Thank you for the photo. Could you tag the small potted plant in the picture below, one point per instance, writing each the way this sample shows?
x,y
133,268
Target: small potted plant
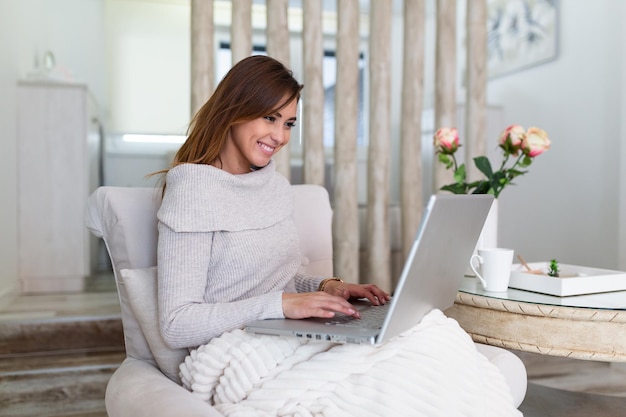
x,y
553,268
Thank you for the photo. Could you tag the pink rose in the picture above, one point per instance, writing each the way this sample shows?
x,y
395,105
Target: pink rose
x,y
447,140
511,138
535,142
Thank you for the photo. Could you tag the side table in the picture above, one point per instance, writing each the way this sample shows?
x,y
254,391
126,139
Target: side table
x,y
583,327
590,327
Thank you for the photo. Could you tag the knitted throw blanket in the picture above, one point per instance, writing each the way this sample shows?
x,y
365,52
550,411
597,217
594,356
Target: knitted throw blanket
x,y
431,370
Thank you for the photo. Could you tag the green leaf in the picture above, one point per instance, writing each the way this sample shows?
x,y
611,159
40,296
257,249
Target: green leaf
x,y
484,166
460,174
481,187
445,159
455,188
515,173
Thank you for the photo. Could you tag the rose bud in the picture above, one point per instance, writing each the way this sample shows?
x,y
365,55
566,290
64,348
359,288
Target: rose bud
x,y
535,142
446,140
511,139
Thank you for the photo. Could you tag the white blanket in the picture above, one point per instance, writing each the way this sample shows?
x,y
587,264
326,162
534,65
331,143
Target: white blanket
x,y
431,370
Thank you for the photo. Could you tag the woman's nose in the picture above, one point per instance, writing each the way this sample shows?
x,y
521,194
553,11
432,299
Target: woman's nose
x,y
279,135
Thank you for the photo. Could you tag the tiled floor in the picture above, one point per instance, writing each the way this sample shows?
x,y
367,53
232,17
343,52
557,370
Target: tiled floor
x,y
545,373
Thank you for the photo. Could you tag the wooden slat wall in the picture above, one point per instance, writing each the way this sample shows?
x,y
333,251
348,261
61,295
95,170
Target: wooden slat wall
x,y
313,99
411,188
378,233
476,93
445,79
202,53
346,210
278,48
346,215
241,30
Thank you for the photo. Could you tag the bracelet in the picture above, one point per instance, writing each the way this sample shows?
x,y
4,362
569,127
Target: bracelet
x,y
324,282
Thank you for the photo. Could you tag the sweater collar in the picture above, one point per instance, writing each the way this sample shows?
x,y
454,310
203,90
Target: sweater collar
x,y
203,198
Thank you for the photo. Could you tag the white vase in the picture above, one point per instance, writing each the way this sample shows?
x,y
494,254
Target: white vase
x,y
489,235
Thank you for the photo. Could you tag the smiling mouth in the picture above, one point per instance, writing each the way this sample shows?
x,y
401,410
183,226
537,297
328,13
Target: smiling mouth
x,y
266,148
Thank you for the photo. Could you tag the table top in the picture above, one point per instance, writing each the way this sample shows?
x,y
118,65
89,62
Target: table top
x,y
615,300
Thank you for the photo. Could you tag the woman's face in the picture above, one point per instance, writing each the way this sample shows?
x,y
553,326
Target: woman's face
x,y
253,143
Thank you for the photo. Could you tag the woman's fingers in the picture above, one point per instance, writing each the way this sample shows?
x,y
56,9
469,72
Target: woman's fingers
x,y
369,291
381,295
315,304
375,295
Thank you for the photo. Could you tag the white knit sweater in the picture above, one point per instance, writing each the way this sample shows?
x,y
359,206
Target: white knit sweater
x,y
227,250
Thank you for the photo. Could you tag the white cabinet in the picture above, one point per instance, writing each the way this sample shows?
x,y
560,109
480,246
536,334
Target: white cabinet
x,y
58,149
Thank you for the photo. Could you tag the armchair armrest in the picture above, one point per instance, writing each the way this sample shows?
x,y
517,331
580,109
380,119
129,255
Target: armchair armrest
x,y
139,389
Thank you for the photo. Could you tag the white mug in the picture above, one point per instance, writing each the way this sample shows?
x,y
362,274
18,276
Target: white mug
x,y
495,267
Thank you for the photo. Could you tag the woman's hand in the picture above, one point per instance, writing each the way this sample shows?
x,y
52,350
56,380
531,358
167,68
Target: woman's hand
x,y
346,291
316,304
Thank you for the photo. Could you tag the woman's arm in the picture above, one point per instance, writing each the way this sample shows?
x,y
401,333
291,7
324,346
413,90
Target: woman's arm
x,y
197,287
186,319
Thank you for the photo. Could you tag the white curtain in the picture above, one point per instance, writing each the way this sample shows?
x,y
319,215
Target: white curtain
x,y
376,243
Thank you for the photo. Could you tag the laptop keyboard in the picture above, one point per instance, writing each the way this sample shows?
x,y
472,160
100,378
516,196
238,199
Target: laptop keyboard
x,y
371,318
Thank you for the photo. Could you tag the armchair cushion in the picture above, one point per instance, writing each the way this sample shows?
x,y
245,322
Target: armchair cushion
x,y
125,218
141,288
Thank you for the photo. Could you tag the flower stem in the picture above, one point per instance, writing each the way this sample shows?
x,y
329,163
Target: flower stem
x,y
455,165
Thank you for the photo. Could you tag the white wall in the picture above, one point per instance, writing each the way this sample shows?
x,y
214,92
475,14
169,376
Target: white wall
x,y
8,167
621,247
148,53
567,206
72,30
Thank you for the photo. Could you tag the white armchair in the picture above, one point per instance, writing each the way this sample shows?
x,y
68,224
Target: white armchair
x,y
146,383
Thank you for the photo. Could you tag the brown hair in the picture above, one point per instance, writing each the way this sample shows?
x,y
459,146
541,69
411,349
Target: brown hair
x,y
256,86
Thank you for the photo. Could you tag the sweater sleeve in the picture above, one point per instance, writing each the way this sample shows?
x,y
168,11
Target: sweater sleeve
x,y
307,283
185,318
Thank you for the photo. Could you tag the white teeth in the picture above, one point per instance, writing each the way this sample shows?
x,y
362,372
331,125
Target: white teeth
x,y
267,148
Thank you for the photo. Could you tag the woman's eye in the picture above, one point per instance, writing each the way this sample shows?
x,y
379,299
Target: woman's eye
x,y
290,124
270,118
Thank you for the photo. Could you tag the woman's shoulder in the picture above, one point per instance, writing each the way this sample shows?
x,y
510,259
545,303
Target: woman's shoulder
x,y
204,198
189,172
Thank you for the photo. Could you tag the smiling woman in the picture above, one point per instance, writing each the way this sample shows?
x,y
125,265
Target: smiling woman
x,y
252,110
227,252
254,142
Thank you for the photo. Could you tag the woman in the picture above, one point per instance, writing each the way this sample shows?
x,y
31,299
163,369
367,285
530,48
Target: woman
x,y
228,249
228,254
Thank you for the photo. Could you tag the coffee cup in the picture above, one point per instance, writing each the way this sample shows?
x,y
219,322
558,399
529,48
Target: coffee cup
x,y
495,268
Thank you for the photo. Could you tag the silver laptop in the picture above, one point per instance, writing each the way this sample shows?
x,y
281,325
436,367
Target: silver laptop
x,y
430,278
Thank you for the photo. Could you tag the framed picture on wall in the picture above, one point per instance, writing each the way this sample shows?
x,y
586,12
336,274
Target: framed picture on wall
x,y
520,34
